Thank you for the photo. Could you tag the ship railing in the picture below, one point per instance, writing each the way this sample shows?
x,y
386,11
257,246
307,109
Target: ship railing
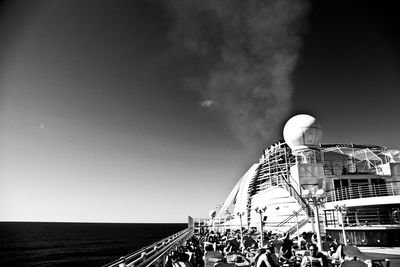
x,y
294,227
290,223
366,216
154,254
363,191
290,219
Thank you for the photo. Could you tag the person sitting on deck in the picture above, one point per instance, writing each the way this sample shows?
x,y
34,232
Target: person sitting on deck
x,y
251,253
286,249
231,245
274,255
315,259
175,260
264,259
302,242
210,243
194,252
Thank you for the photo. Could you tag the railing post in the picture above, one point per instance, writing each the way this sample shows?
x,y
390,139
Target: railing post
x,y
374,187
359,191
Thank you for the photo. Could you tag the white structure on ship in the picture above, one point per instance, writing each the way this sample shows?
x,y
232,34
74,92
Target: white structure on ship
x,y
358,185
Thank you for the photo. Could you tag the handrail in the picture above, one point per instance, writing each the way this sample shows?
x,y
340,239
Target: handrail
x,y
363,191
293,229
153,258
156,250
293,192
291,216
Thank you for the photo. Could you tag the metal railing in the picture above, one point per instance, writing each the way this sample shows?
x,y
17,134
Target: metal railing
x,y
293,229
154,254
363,216
363,191
289,218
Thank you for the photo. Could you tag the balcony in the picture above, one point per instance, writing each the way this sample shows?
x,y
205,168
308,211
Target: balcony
x,y
363,191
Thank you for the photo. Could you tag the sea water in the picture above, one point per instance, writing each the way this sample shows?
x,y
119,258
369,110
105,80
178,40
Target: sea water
x,y
75,244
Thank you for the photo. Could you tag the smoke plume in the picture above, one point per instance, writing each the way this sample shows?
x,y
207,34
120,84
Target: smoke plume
x,y
244,54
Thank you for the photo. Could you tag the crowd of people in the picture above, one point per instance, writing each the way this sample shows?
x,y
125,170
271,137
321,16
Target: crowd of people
x,y
211,248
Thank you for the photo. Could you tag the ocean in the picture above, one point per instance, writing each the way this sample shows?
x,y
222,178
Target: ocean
x,y
75,244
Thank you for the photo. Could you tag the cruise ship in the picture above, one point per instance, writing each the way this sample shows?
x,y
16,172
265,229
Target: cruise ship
x,y
300,184
350,192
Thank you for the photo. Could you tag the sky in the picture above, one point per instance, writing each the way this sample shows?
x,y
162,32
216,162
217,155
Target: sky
x,y
150,111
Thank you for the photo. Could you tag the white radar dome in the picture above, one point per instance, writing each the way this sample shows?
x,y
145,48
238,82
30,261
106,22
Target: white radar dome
x,y
302,132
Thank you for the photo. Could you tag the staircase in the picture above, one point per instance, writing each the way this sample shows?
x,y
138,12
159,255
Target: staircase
x,y
289,224
274,170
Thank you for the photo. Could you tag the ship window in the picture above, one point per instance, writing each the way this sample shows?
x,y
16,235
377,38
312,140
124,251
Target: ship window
x,y
340,183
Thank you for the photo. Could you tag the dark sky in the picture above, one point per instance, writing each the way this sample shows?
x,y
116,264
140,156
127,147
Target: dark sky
x,y
348,74
109,106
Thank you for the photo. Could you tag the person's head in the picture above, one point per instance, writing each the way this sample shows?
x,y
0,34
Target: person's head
x,y
313,249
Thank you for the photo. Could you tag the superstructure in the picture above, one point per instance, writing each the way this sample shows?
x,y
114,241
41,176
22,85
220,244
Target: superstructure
x,y
302,184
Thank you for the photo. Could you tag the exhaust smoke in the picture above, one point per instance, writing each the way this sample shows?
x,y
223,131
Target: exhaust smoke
x,y
245,52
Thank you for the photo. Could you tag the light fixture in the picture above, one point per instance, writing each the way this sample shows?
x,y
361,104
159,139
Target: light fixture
x,y
240,214
260,211
316,197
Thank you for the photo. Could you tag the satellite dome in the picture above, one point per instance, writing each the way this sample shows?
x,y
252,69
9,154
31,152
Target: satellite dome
x,y
302,132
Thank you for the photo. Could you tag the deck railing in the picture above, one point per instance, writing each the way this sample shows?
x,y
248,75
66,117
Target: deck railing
x,y
364,191
155,254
